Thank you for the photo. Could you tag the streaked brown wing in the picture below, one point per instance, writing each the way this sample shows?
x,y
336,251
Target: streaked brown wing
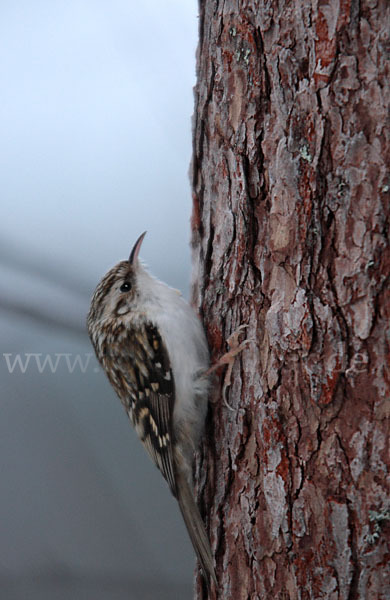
x,y
149,396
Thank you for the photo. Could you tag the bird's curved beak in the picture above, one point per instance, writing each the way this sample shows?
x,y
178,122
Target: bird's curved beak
x,y
136,248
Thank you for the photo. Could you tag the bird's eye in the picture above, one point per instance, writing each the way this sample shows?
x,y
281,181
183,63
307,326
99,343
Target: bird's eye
x,y
125,287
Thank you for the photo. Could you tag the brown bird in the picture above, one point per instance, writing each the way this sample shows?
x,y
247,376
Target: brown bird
x,y
154,351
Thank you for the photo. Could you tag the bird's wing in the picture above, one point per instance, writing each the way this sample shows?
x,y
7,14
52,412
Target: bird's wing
x,y
152,396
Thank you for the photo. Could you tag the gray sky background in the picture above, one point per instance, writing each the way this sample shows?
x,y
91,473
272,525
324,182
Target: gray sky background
x,y
95,145
95,130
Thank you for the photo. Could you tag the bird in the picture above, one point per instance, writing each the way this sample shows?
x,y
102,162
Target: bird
x,y
153,349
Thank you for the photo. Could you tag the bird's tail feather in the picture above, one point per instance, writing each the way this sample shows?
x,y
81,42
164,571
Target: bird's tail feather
x,y
196,528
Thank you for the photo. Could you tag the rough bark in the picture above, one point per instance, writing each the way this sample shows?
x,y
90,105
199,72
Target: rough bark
x,y
290,236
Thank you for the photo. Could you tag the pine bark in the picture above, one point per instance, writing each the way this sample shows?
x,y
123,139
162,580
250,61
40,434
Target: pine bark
x,y
291,237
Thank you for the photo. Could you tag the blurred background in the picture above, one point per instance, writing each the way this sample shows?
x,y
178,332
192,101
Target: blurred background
x,y
95,145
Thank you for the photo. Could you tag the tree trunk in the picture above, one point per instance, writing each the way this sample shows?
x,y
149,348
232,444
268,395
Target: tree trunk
x,y
290,237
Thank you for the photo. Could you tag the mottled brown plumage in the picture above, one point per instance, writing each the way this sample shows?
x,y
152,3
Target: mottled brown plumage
x,y
153,350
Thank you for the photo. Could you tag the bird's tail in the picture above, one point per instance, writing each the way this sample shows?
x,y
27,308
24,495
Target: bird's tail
x,y
195,527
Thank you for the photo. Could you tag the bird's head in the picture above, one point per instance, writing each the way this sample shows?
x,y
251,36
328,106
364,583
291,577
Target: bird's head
x,y
117,293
